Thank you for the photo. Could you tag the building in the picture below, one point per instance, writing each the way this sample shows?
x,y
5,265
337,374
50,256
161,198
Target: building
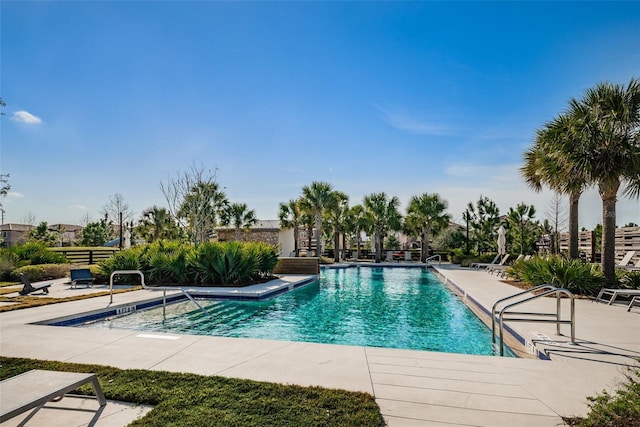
x,y
14,234
267,231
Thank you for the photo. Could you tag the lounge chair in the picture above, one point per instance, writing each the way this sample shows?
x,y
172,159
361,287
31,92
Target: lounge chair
x,y
29,288
635,267
485,264
503,262
500,270
634,300
615,293
34,388
626,259
81,276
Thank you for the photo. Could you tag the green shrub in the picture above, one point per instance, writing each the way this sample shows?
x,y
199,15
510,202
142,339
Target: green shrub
x,y
35,253
169,262
8,263
36,273
573,275
629,279
621,409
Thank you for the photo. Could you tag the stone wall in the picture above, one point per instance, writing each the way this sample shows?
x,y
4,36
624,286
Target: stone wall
x,y
270,237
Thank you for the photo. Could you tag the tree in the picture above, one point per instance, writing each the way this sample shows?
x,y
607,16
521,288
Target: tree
x,y
605,148
356,222
195,200
290,216
555,214
382,216
316,198
239,216
336,217
546,164
157,224
95,234
484,219
520,225
42,234
426,215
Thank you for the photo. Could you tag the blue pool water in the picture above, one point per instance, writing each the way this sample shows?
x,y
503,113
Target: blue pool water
x,y
406,308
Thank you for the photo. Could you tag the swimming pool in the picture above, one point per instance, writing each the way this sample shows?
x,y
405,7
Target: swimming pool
x,y
405,308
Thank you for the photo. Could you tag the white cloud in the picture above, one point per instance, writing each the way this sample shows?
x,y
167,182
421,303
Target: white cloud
x,y
26,117
79,207
411,124
14,195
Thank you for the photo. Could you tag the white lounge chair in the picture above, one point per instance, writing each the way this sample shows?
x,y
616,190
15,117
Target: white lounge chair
x,y
503,263
626,259
615,293
635,267
485,264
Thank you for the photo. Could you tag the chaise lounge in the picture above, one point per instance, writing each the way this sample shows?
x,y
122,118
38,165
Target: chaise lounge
x,y
615,293
29,288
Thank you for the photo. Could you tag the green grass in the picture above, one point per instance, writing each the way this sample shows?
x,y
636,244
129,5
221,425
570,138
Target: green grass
x,y
196,400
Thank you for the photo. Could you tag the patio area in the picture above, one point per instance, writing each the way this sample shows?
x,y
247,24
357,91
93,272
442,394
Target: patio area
x,y
411,387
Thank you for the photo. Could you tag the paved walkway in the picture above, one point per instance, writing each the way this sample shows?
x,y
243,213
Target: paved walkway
x,y
412,388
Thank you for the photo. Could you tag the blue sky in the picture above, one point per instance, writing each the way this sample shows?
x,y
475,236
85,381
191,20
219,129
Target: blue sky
x,y
402,97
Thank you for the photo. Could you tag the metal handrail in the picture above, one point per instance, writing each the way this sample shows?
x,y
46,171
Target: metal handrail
x,y
119,272
558,320
433,257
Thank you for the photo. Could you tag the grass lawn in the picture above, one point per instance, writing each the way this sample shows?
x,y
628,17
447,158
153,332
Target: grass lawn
x,y
196,400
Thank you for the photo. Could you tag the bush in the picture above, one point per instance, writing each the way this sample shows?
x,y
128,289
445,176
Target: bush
x,y
621,409
629,279
211,263
573,275
457,256
37,253
36,273
8,263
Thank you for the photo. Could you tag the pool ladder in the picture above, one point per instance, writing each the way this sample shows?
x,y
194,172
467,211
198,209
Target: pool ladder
x,y
503,315
436,256
164,289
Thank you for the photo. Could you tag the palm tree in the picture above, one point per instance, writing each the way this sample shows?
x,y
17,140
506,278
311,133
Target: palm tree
x,y
316,198
201,208
336,216
382,216
290,216
238,215
158,224
606,149
356,222
426,214
546,164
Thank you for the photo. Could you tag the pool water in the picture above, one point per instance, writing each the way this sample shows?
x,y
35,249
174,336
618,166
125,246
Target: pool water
x,y
404,308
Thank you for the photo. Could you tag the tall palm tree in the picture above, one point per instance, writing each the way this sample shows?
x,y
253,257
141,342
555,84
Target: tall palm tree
x,y
157,224
383,215
546,164
290,216
356,223
336,216
316,198
426,215
606,150
240,216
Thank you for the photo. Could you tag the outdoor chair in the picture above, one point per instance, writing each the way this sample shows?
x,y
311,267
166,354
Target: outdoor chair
x,y
626,259
29,288
485,264
615,293
81,276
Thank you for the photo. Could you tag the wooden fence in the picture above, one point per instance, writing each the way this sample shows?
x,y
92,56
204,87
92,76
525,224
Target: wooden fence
x,y
627,239
85,255
301,265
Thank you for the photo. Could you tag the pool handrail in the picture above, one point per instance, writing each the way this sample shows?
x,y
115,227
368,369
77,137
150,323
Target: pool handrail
x,y
434,257
122,272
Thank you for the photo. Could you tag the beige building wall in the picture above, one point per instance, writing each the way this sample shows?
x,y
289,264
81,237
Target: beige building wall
x,y
285,238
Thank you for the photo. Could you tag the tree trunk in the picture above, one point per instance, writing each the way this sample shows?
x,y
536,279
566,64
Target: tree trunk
x,y
336,246
378,246
574,198
608,194
296,235
358,243
318,236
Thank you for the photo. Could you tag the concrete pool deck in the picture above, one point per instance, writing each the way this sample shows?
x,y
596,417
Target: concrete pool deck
x,y
412,388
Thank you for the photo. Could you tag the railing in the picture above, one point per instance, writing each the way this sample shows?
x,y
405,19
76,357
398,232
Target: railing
x,y
164,289
504,315
434,257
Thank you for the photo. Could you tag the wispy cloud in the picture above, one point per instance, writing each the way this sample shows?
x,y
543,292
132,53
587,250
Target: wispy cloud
x,y
413,124
501,172
79,207
26,117
14,195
